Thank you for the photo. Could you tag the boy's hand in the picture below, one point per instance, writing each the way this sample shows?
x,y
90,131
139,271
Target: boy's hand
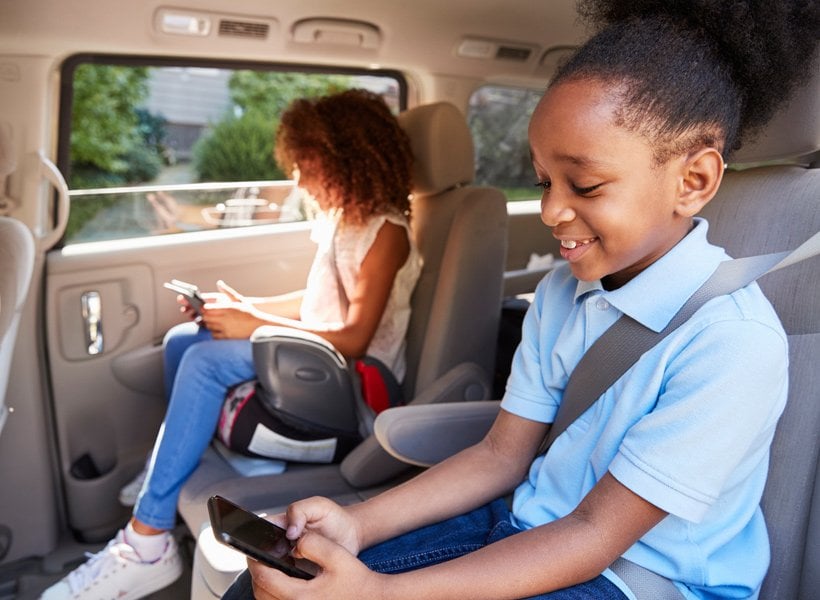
x,y
342,575
323,516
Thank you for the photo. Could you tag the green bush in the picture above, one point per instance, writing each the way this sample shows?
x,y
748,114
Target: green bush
x,y
112,141
140,164
152,129
143,164
85,176
238,149
270,92
241,148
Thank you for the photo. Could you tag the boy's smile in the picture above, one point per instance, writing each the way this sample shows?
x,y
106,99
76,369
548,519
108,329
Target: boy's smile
x,y
613,209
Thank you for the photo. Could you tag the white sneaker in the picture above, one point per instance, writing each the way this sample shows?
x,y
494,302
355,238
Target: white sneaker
x,y
117,573
130,493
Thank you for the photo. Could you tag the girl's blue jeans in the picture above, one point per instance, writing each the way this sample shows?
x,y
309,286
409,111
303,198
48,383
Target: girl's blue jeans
x,y
447,540
198,372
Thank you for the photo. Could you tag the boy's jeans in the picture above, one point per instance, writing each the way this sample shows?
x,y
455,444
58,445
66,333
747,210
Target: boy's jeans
x,y
447,540
200,371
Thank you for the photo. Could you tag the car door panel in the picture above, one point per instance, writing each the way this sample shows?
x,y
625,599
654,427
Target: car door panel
x,y
108,398
124,315
140,370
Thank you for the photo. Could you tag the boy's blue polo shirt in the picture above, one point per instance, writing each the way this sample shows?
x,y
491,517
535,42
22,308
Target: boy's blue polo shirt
x,y
687,428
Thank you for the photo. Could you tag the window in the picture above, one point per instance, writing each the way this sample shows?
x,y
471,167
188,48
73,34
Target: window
x,y
498,118
155,147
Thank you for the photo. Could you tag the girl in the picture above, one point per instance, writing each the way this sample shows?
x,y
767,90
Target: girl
x,y
667,469
348,153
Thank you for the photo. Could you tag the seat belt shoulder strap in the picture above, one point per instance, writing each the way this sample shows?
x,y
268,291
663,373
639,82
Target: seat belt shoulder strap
x,y
620,346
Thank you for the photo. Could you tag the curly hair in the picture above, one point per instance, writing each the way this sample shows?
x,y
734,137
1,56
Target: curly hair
x,y
363,155
695,73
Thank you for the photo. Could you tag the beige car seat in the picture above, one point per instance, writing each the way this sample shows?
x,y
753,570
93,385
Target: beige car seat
x,y
16,266
461,232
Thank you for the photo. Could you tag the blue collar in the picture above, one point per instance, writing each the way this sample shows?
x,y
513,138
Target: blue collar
x,y
656,294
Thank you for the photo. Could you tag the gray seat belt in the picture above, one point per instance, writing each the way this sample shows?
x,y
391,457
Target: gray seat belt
x,y
620,347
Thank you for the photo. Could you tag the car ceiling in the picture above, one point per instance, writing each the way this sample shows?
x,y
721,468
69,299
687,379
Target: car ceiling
x,y
414,35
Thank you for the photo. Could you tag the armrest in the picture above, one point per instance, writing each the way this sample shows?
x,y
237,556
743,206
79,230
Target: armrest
x,y
423,435
465,381
369,464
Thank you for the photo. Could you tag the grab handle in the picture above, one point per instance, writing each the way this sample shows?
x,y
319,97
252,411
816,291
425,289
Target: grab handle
x,y
49,171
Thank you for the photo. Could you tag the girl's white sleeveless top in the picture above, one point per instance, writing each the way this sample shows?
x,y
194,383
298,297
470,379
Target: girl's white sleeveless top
x,y
322,304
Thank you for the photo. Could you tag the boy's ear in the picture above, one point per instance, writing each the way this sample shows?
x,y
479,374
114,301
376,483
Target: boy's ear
x,y
701,175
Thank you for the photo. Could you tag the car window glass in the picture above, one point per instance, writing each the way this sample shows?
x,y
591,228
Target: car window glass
x,y
157,149
498,118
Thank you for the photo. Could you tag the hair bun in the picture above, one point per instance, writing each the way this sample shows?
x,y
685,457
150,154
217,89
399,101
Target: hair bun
x,y
766,45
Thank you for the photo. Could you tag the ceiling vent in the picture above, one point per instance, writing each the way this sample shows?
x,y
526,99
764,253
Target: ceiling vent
x,y
244,29
494,50
198,23
519,53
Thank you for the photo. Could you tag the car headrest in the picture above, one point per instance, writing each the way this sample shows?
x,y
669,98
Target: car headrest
x,y
442,147
794,131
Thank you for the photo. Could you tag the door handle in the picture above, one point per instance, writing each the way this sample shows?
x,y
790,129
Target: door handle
x,y
92,321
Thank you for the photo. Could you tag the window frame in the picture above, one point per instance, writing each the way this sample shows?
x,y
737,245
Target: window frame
x,y
71,63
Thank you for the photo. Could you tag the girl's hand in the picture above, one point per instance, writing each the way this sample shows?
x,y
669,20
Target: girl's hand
x,y
216,297
229,292
186,308
341,577
225,295
233,320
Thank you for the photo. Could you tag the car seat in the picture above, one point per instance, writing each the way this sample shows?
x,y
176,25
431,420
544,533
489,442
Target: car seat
x,y
461,233
769,201
16,266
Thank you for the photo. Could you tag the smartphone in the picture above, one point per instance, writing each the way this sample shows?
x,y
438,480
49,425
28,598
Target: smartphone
x,y
258,538
190,291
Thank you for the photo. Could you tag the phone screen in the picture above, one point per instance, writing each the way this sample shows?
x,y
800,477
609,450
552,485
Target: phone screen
x,y
255,536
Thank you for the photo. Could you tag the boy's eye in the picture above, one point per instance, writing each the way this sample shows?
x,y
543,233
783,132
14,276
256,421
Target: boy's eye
x,y
583,191
544,185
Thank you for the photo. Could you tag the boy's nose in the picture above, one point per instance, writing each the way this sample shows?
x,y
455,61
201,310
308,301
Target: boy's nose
x,y
554,210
